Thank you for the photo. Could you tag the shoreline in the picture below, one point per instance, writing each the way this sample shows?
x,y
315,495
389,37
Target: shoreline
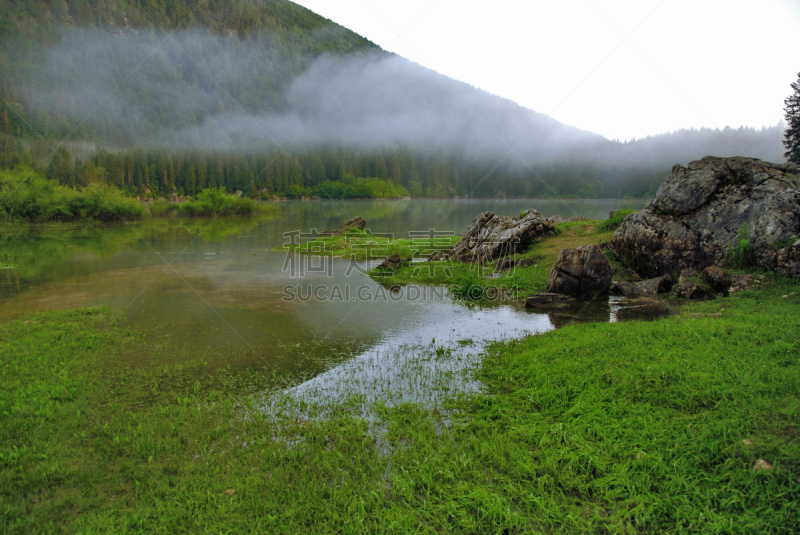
x,y
613,417
650,425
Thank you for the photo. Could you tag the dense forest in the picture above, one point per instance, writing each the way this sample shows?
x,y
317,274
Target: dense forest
x,y
265,97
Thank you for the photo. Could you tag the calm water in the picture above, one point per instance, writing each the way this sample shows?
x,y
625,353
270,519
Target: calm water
x,y
216,288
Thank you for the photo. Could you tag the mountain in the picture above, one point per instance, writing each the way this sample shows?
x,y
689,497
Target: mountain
x,y
116,71
185,82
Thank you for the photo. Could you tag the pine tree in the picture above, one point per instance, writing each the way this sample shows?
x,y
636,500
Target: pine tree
x,y
792,136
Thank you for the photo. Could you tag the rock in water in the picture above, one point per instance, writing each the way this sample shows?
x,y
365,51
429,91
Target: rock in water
x,y
357,223
658,285
583,272
549,301
698,211
491,236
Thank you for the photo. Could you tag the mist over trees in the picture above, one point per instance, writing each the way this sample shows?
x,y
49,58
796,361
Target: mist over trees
x,y
792,137
269,98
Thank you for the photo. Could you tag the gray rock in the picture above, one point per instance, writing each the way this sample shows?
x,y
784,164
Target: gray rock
x,y
578,218
687,275
556,219
491,236
622,288
549,300
654,286
658,285
583,272
717,278
688,290
698,211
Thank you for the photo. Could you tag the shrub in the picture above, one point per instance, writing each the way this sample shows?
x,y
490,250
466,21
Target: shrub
x,y
26,195
741,254
350,188
214,201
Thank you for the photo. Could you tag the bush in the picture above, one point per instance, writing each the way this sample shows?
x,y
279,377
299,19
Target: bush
x,y
350,188
742,254
25,195
216,202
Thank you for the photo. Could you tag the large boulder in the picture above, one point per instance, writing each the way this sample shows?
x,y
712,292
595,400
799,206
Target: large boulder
x,y
583,272
699,210
491,236
717,278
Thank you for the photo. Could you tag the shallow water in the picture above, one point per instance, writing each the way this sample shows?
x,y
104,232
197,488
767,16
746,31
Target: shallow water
x,y
216,289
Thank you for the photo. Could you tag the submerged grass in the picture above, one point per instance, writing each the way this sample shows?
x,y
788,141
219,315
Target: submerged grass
x,y
638,427
362,245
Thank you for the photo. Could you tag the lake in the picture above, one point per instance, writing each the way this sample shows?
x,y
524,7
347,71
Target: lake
x,y
216,289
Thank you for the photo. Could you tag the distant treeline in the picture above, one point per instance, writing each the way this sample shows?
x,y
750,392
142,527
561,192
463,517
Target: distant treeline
x,y
329,173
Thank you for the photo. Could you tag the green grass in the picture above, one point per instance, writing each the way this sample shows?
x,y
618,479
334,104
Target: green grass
x,y
632,427
642,425
613,223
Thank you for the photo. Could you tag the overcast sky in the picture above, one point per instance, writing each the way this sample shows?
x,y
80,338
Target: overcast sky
x,y
622,69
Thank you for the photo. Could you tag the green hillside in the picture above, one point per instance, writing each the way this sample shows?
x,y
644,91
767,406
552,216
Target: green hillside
x,y
59,59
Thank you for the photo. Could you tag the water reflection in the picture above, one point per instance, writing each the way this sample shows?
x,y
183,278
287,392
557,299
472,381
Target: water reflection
x,y
215,289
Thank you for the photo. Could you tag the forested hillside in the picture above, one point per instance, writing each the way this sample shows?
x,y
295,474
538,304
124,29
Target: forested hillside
x,y
268,98
117,71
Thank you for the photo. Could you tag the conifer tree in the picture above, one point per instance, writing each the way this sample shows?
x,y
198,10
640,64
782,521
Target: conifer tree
x,y
791,139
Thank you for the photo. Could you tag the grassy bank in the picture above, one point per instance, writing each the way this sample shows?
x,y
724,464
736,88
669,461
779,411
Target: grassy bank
x,y
624,428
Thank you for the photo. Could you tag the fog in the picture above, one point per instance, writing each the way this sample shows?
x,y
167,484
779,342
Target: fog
x,y
198,90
